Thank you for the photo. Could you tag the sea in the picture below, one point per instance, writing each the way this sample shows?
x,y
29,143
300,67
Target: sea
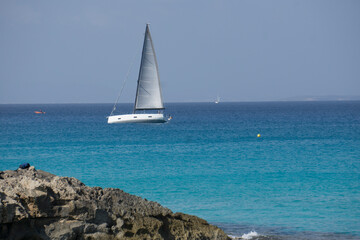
x,y
300,179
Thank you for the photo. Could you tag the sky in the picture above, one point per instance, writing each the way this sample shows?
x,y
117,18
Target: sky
x,y
242,50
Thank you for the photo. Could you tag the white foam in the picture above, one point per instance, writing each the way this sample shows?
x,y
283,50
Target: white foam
x,y
249,235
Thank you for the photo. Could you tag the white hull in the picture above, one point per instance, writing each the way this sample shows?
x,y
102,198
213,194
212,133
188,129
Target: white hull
x,y
137,118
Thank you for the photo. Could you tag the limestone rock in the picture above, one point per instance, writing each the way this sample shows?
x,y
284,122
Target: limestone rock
x,y
38,205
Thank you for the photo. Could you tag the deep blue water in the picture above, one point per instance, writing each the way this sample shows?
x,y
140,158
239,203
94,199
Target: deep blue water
x,y
300,179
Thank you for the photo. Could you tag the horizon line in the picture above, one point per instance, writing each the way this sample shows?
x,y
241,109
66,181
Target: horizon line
x,y
250,101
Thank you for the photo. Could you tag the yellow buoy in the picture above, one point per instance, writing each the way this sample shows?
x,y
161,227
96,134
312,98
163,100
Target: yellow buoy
x,y
258,135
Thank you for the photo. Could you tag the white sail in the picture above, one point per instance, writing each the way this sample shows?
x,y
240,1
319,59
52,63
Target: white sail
x,y
148,93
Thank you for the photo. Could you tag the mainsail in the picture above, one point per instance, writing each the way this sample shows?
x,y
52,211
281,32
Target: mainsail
x,y
148,93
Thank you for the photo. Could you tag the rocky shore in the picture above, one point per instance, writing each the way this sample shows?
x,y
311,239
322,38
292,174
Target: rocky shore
x,y
39,205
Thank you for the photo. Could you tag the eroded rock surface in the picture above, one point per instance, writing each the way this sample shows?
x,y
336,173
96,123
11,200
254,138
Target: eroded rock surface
x,y
38,205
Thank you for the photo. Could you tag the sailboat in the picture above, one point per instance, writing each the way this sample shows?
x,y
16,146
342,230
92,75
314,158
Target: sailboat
x,y
217,99
148,93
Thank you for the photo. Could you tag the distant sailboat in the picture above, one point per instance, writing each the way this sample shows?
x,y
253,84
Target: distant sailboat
x,y
148,93
217,100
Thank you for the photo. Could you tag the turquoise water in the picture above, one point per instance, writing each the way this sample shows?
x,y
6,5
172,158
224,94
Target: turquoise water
x,y
302,176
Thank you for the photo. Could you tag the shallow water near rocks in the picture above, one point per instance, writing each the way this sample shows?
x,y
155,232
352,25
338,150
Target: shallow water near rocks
x,y
300,179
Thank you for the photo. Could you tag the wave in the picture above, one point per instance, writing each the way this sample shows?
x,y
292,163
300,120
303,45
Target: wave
x,y
246,232
250,235
246,236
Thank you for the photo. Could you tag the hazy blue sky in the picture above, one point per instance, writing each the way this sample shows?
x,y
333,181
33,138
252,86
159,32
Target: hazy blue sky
x,y
243,50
